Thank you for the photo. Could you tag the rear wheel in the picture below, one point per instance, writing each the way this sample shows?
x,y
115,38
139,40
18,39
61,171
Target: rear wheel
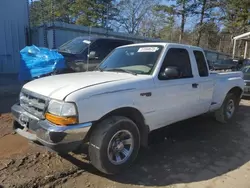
x,y
228,108
114,144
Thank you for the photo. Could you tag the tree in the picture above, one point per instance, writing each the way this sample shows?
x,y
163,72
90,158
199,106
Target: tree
x,y
205,9
132,13
210,38
156,20
63,11
236,15
182,9
202,14
94,12
47,10
83,12
39,12
225,41
166,20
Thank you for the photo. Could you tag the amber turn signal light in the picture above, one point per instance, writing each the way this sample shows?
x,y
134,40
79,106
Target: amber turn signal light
x,y
61,121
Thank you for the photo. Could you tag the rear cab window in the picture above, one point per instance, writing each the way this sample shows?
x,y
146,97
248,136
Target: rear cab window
x,y
201,63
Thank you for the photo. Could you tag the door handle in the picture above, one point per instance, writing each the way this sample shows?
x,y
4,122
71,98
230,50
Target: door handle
x,y
195,85
148,94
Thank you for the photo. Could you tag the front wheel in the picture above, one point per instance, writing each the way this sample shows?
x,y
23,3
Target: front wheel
x,y
114,144
228,108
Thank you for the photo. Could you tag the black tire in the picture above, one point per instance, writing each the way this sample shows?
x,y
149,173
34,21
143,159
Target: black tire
x,y
101,137
221,114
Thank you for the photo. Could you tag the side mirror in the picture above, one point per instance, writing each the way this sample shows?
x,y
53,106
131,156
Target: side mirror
x,y
92,55
171,73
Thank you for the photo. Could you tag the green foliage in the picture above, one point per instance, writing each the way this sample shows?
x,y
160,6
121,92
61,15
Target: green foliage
x,y
237,15
83,12
94,12
216,20
181,9
43,10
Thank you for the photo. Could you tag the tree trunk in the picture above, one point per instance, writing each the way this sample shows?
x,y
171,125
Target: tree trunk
x,y
183,18
201,22
182,28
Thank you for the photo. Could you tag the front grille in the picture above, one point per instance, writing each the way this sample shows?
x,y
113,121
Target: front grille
x,y
247,90
33,103
247,83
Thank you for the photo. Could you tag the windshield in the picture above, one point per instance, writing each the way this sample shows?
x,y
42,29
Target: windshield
x,y
75,46
136,59
246,70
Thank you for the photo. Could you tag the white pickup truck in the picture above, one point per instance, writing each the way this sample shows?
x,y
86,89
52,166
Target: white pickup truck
x,y
136,89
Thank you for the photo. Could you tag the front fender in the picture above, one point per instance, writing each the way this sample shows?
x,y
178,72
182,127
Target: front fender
x,y
94,108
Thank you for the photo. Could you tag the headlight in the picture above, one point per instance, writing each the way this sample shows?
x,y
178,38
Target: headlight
x,y
61,113
61,108
21,97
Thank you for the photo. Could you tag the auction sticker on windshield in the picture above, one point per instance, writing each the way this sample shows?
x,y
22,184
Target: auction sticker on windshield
x,y
148,49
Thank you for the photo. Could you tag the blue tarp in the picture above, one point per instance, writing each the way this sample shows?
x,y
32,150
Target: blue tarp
x,y
37,62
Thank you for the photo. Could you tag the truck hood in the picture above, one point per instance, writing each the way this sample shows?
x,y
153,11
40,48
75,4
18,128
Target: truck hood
x,y
59,86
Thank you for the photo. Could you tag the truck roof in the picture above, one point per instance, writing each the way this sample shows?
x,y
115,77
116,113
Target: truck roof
x,y
100,37
162,44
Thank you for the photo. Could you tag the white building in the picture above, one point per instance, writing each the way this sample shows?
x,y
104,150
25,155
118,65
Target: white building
x,y
245,38
13,25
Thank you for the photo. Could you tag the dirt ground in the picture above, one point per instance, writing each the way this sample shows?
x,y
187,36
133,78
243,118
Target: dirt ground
x,y
195,153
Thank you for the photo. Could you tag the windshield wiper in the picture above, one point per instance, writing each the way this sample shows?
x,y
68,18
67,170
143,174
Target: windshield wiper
x,y
99,69
121,70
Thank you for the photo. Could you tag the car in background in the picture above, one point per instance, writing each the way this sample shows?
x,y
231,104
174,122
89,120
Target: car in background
x,y
85,53
210,65
225,64
246,62
243,62
246,77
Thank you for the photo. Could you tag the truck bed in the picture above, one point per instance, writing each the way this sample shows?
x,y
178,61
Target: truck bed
x,y
232,74
223,82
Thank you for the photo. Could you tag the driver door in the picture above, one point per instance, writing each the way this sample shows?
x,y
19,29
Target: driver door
x,y
176,99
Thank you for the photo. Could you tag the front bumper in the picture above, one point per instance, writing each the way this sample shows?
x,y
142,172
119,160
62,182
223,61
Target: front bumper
x,y
246,92
57,138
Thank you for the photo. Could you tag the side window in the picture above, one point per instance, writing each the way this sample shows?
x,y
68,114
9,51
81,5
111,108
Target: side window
x,y
201,63
102,48
179,58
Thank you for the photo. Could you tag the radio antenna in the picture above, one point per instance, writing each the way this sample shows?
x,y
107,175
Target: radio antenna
x,y
88,49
